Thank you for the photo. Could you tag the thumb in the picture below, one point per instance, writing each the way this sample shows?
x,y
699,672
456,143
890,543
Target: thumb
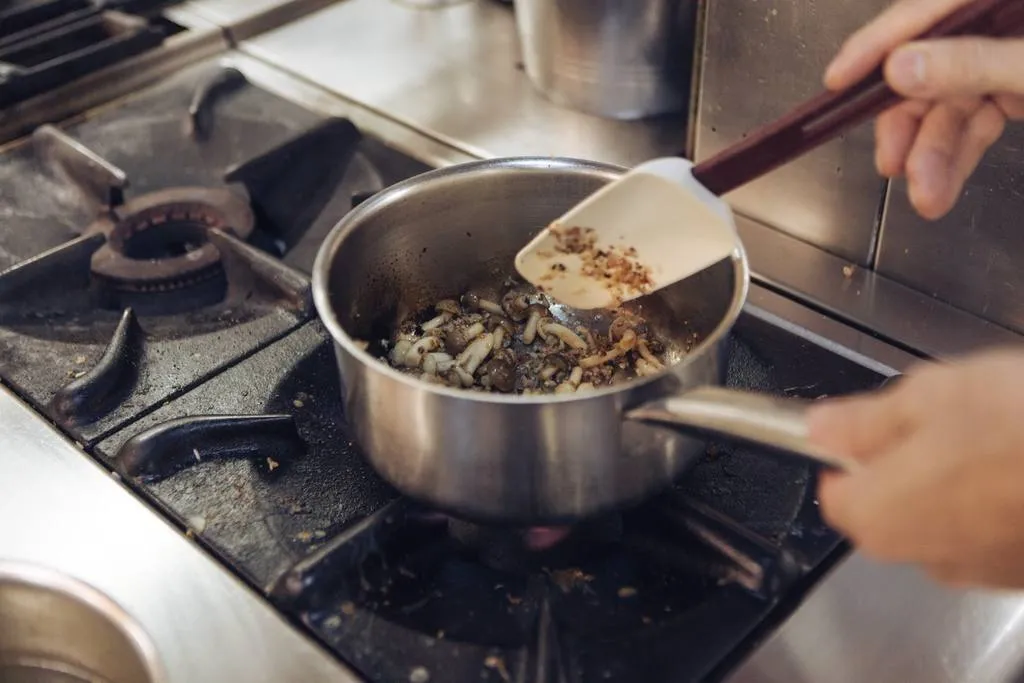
x,y
957,67
861,426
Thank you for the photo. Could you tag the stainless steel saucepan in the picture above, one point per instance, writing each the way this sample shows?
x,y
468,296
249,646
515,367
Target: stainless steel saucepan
x,y
525,459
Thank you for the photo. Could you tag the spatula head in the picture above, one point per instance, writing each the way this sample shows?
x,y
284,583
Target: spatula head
x,y
647,230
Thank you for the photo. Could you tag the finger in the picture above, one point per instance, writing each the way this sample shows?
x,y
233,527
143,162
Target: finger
x,y
859,426
932,160
895,131
1012,106
956,67
978,573
889,509
983,128
866,48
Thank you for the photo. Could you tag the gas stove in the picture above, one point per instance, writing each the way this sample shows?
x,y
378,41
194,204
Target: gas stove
x,y
155,306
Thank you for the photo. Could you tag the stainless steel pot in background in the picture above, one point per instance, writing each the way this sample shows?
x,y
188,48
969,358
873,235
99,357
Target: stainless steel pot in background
x,y
621,59
523,459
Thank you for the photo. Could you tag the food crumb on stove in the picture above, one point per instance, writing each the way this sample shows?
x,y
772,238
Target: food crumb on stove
x,y
646,621
848,271
80,360
627,592
570,579
440,635
195,453
272,464
298,403
496,663
332,622
304,536
348,608
190,534
419,675
197,523
319,533
514,599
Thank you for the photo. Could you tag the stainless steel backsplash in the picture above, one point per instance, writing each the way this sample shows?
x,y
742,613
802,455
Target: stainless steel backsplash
x,y
974,257
762,57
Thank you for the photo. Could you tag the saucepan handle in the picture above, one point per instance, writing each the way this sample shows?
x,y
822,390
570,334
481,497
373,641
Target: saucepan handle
x,y
778,425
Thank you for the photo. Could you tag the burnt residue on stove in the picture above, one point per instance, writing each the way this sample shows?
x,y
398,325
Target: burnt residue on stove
x,y
405,588
187,231
665,591
260,509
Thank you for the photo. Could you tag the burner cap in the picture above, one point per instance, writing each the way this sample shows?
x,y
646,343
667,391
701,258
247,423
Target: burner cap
x,y
159,242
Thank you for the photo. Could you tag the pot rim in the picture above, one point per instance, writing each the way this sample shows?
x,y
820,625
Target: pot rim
x,y
395,193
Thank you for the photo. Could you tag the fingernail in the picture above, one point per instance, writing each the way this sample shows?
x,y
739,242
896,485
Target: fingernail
x,y
830,73
906,69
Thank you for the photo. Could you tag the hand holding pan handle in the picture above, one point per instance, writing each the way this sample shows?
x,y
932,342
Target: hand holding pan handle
x,y
776,424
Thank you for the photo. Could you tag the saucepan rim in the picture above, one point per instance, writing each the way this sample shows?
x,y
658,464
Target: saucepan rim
x,y
395,193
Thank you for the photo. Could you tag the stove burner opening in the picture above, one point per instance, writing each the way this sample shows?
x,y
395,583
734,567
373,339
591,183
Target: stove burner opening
x,y
176,237
158,258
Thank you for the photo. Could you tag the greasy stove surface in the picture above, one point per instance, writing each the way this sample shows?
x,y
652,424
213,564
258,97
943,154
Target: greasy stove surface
x,y
89,332
402,593
154,303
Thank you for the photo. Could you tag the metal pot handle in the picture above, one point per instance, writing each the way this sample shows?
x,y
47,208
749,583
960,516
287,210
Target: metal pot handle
x,y
776,424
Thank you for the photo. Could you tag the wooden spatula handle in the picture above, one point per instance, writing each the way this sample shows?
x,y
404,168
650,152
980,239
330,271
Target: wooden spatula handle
x,y
824,117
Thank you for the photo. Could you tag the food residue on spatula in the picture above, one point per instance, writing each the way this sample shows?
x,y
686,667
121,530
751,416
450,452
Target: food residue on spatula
x,y
616,269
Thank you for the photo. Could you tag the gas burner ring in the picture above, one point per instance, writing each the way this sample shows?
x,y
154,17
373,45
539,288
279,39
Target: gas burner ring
x,y
159,242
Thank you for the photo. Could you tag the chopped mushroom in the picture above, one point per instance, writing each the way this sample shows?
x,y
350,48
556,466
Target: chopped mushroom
x,y
458,337
501,327
498,374
414,356
646,355
482,300
563,333
437,321
512,343
516,305
534,314
437,363
476,353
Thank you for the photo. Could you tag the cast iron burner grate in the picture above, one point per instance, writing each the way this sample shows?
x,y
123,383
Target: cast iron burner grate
x,y
159,290
672,590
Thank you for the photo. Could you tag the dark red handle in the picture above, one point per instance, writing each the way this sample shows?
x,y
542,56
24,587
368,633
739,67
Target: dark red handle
x,y
821,119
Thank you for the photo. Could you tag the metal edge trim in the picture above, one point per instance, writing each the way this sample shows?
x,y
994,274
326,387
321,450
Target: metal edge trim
x,y
865,299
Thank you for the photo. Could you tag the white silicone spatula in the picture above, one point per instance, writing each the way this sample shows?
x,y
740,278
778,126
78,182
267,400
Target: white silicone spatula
x,y
663,221
653,227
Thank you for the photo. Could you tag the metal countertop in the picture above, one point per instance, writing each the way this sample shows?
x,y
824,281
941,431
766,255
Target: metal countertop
x,y
62,512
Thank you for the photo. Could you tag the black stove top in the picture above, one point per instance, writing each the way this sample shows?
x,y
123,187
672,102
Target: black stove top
x,y
155,305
